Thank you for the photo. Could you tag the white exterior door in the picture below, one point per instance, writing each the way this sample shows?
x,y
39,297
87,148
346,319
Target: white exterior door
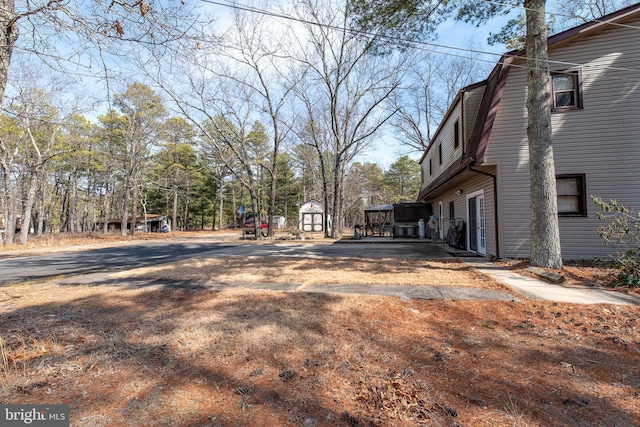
x,y
476,236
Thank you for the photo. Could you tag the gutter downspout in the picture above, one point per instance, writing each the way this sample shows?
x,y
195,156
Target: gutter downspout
x,y
463,135
495,204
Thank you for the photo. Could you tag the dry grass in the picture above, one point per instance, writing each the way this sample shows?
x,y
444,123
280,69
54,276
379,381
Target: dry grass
x,y
155,356
253,358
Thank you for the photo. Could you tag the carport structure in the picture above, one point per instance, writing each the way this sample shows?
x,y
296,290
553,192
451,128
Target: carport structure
x,y
378,220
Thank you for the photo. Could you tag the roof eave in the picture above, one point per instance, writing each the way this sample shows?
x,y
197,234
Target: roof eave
x,y
451,172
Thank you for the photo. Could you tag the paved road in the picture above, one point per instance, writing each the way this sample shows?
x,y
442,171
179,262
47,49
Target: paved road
x,y
75,266
143,253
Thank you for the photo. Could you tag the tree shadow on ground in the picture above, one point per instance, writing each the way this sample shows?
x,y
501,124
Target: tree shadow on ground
x,y
141,349
242,358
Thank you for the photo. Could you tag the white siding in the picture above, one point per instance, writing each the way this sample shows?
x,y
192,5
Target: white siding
x,y
475,183
427,178
472,100
485,183
446,138
602,141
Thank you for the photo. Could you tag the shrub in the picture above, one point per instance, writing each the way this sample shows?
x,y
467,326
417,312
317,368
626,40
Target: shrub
x,y
622,230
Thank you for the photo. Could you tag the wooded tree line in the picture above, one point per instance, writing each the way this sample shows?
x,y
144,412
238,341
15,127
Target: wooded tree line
x,y
259,115
67,174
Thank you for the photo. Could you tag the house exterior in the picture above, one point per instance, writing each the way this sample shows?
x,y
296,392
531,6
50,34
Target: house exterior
x,y
476,167
154,223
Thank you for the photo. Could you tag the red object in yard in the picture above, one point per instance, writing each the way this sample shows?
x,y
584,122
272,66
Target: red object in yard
x,y
249,227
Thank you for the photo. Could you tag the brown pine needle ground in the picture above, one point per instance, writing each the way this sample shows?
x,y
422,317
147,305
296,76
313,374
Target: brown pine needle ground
x,y
155,356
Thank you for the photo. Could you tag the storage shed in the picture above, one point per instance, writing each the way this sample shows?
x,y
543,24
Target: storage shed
x,y
311,217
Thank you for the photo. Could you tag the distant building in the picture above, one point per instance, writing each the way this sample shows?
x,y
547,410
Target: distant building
x,y
311,218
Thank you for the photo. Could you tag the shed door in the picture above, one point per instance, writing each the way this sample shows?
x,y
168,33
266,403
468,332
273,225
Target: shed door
x,y
312,222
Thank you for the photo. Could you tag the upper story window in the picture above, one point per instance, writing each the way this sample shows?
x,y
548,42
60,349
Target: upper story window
x,y
430,167
456,134
566,90
440,153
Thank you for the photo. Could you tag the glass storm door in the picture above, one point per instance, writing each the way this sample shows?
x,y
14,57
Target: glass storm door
x,y
473,231
476,219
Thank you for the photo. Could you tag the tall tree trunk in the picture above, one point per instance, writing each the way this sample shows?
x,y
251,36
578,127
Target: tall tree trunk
x,y
144,214
28,206
220,201
125,210
40,206
134,206
185,218
106,207
7,40
274,178
234,205
94,212
64,209
337,190
73,203
84,225
9,207
257,218
174,212
545,233
325,191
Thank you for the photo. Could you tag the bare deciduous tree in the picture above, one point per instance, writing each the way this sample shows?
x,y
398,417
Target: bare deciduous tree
x,y
28,143
80,32
432,82
221,111
258,57
353,85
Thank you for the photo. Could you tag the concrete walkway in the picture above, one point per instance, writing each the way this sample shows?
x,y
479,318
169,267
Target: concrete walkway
x,y
400,291
538,289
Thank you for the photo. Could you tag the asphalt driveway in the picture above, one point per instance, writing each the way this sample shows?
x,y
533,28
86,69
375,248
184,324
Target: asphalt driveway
x,y
145,253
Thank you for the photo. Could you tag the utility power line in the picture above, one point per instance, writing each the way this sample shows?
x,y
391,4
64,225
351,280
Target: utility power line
x,y
416,43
